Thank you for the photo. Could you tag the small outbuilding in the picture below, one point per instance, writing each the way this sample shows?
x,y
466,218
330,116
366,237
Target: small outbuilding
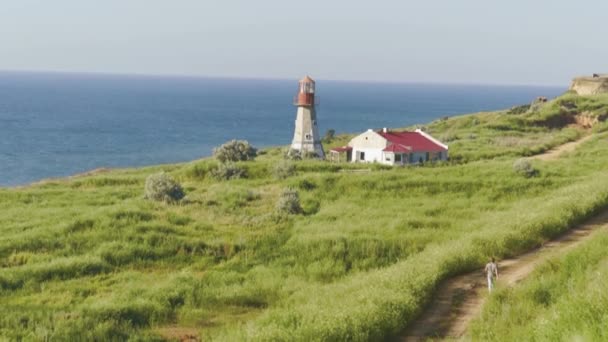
x,y
391,148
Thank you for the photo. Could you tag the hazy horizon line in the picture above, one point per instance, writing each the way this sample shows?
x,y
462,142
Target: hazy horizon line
x,y
262,78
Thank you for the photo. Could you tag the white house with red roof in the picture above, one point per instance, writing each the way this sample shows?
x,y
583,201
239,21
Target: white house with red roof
x,y
392,148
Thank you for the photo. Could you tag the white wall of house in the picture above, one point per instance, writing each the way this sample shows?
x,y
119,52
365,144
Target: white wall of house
x,y
370,144
369,155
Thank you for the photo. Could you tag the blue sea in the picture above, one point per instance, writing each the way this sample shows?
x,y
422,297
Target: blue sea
x,y
55,125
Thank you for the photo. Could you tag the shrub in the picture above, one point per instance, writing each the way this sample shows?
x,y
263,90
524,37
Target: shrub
x,y
235,150
289,202
524,167
284,169
329,135
228,171
162,187
293,154
307,185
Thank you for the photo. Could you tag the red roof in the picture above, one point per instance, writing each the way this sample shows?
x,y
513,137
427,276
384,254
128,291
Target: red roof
x,y
397,148
342,149
414,140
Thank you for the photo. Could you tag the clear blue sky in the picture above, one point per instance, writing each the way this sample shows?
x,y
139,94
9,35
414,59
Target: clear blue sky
x,y
472,41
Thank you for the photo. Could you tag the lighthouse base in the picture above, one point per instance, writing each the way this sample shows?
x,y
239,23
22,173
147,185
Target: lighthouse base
x,y
315,149
306,137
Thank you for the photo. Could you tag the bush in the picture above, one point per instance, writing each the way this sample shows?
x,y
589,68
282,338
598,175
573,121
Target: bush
x,y
293,154
235,150
284,169
289,202
307,185
162,187
228,171
329,135
524,167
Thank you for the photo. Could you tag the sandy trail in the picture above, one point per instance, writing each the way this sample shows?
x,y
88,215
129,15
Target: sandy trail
x,y
557,151
460,299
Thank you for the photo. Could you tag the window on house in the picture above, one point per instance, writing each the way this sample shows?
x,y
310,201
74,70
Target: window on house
x,y
361,155
308,136
428,156
398,158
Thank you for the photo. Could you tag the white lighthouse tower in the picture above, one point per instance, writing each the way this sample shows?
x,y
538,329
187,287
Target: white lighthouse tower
x,y
306,135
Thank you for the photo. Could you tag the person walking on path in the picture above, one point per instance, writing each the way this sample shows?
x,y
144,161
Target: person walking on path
x,y
491,273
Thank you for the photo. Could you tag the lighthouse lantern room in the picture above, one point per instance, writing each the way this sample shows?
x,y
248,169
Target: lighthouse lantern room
x,y
306,137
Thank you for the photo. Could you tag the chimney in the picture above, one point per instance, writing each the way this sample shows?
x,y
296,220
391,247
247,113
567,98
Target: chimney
x,y
385,130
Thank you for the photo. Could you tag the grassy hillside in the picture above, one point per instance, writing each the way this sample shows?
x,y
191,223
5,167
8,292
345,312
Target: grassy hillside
x,y
564,300
89,257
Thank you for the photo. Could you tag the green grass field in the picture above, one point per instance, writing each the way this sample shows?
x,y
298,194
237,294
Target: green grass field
x,y
89,258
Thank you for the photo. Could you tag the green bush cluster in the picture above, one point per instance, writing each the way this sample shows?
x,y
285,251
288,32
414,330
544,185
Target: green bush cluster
x,y
162,187
234,151
524,167
289,202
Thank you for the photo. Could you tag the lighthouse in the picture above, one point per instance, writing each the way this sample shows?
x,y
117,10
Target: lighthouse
x,y
306,137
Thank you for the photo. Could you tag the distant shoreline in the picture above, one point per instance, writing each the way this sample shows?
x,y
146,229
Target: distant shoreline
x,y
102,74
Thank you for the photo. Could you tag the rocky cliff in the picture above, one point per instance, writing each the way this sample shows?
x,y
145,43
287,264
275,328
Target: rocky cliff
x,y
597,84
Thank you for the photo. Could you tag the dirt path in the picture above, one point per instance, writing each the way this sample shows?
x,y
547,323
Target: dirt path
x,y
182,334
558,150
460,299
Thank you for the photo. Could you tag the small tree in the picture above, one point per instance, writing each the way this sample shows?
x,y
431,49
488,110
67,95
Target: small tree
x,y
284,169
524,167
235,150
289,202
228,171
329,135
162,187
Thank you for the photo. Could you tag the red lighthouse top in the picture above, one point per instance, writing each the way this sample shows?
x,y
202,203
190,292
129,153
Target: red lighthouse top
x,y
306,93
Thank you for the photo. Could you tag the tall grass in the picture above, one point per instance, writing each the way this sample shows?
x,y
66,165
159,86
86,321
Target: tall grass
x,y
377,304
565,299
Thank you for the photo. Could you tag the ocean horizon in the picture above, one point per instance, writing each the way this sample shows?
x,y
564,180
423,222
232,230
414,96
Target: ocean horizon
x,y
60,124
